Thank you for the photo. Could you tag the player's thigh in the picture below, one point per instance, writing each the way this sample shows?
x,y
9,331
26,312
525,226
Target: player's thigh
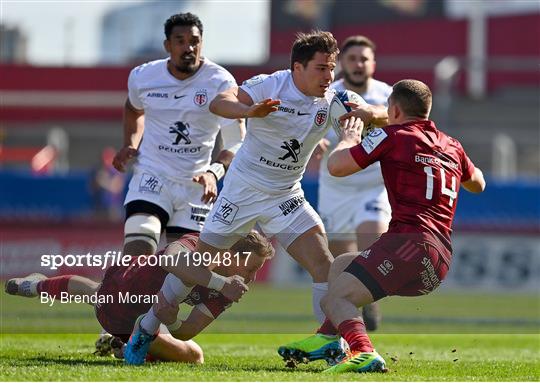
x,y
372,216
189,212
338,247
368,232
165,347
148,207
337,210
310,250
234,214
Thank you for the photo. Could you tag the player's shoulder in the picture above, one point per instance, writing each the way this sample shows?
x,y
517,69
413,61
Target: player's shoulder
x,y
216,71
267,80
338,85
148,69
381,87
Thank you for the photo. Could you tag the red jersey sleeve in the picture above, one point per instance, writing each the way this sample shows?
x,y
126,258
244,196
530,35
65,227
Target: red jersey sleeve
x,y
466,165
372,147
214,301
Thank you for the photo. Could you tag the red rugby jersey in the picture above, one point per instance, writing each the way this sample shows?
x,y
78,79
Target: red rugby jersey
x,y
422,169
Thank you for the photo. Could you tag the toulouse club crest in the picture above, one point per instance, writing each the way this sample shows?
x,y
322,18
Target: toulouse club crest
x,y
201,97
320,117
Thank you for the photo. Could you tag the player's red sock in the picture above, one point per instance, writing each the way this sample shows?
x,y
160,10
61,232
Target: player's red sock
x,y
54,286
327,328
354,332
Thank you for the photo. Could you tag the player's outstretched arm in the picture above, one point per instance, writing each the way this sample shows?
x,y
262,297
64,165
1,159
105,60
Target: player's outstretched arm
x,y
477,183
184,268
236,103
194,324
340,162
370,114
133,132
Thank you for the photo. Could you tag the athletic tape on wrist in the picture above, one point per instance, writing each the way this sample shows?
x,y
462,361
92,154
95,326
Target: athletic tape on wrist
x,y
217,169
176,325
216,282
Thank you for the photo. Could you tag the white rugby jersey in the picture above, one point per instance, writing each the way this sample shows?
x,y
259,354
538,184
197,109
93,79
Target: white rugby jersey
x,y
276,148
179,130
377,94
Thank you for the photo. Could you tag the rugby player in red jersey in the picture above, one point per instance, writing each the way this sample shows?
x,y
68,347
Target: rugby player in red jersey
x,y
142,281
423,169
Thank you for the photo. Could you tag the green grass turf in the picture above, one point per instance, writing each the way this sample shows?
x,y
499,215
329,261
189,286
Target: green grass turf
x,y
252,357
495,338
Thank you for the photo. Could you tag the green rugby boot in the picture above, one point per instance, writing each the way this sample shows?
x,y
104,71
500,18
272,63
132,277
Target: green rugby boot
x,y
360,362
315,347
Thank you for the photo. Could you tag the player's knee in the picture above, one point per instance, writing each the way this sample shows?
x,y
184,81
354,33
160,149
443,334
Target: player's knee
x,y
194,353
141,234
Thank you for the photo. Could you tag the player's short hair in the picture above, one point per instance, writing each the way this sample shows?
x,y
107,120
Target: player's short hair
x,y
357,40
307,44
254,243
182,20
413,97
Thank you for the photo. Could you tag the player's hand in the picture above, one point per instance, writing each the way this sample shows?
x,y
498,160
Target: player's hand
x,y
263,108
321,148
209,182
123,156
351,130
234,288
165,311
364,112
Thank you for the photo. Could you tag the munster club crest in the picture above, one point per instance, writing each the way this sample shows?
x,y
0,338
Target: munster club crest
x,y
201,97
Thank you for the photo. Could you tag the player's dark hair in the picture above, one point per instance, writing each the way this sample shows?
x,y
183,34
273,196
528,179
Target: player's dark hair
x,y
254,243
182,20
307,44
413,97
358,40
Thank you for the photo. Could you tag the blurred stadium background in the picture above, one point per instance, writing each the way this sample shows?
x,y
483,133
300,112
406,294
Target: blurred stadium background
x,y
60,125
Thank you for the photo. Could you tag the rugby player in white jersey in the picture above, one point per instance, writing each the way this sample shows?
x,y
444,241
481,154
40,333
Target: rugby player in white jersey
x,y
362,212
287,115
170,133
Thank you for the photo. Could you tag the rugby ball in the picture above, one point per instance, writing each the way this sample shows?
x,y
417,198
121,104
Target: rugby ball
x,y
338,108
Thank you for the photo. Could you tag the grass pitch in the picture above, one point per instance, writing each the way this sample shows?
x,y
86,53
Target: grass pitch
x,y
442,337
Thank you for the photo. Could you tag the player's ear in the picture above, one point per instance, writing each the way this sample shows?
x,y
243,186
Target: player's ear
x,y
167,45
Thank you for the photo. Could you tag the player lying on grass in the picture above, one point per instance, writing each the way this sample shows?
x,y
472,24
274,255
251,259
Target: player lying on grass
x,y
422,169
141,280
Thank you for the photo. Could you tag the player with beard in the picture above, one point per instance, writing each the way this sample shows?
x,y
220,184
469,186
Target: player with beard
x,y
361,213
170,133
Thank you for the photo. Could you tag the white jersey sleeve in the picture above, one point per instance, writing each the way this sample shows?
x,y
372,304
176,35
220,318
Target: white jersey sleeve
x,y
133,91
258,87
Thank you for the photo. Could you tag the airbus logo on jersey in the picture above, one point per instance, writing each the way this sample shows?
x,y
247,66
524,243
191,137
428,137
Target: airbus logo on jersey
x,y
201,97
157,95
293,150
285,109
